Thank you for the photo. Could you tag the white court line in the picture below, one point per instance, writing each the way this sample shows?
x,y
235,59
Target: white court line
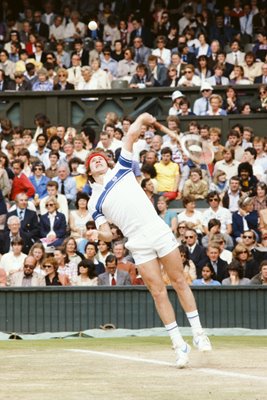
x,y
208,371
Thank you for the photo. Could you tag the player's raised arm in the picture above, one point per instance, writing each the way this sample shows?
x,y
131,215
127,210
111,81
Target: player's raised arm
x,y
135,130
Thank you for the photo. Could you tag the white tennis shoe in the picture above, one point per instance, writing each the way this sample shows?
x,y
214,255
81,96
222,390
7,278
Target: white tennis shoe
x,y
182,353
202,342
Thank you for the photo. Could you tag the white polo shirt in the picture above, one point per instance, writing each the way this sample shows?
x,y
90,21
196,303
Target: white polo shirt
x,y
222,214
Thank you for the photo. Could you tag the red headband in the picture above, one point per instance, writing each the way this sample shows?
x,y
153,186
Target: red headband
x,y
92,155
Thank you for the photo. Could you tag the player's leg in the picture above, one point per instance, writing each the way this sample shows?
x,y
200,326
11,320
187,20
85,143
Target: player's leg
x,y
172,263
151,274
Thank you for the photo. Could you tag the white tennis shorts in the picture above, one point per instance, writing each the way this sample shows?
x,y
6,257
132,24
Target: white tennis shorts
x,y
155,242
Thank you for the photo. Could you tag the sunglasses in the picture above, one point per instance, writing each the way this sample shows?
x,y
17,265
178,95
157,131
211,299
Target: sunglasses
x,y
61,75
188,72
106,53
217,200
50,204
181,227
38,168
242,252
263,92
247,237
29,266
189,237
47,266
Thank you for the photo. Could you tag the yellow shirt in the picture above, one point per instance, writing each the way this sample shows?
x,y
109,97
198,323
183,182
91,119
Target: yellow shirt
x,y
167,176
80,182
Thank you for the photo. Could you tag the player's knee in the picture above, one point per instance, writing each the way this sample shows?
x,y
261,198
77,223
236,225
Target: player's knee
x,y
158,293
179,282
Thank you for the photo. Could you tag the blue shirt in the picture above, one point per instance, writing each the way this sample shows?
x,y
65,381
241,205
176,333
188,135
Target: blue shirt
x,y
40,186
70,187
42,86
200,282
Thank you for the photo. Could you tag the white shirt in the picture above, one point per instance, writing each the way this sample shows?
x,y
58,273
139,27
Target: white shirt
x,y
63,205
11,263
222,214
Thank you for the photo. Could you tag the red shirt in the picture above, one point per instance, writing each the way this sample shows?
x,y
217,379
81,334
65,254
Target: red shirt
x,y
21,184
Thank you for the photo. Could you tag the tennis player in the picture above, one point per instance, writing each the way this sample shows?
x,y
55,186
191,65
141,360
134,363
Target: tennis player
x,y
118,198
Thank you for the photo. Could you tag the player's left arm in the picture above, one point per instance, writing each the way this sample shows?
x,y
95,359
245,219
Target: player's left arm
x,y
135,130
102,233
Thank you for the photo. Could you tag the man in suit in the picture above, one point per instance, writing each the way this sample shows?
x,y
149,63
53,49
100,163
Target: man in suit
x,y
79,49
12,232
113,276
27,277
219,265
19,84
74,72
141,52
197,253
236,57
39,27
218,78
159,71
263,77
141,32
28,218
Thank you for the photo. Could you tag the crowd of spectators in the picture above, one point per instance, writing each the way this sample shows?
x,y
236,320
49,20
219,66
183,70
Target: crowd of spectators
x,y
46,46
44,187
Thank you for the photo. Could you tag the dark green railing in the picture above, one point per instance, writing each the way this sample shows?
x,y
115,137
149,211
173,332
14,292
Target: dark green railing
x,y
76,108
57,309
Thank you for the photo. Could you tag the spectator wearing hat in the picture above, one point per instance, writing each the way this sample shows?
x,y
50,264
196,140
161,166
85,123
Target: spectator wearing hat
x,y
42,84
202,105
177,96
189,78
19,84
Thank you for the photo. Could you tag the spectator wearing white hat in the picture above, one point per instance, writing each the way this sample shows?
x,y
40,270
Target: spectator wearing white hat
x,y
177,96
201,105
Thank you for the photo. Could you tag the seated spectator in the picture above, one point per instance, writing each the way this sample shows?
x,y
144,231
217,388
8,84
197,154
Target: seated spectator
x,y
100,78
231,197
52,277
66,267
189,267
38,252
260,200
127,66
86,83
167,173
248,182
252,68
189,79
177,97
56,30
20,181
142,78
202,69
157,69
249,156
190,215
246,109
39,180
218,78
61,80
123,259
235,57
181,230
172,76
79,216
53,228
161,52
148,186
75,28
185,108
42,84
228,164
236,275
202,105
219,266
86,274
104,249
27,276
216,102
52,190
108,64
231,102
12,261
238,75
90,252
67,184
197,253
220,182
169,216
261,277
260,47
262,79
244,257
19,84
245,218
261,101
6,65
195,186
207,274
113,276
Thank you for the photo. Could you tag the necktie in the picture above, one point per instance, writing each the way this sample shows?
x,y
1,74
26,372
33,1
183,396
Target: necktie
x,y
21,215
62,187
236,59
218,80
207,104
138,57
113,281
74,71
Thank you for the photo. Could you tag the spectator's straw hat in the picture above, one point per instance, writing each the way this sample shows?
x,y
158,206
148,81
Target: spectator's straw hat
x,y
206,86
177,94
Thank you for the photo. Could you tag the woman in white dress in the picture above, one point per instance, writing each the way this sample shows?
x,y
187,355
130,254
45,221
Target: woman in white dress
x,y
86,274
80,216
191,216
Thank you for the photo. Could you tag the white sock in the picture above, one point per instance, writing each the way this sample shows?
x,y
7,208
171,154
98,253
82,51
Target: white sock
x,y
194,321
175,334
